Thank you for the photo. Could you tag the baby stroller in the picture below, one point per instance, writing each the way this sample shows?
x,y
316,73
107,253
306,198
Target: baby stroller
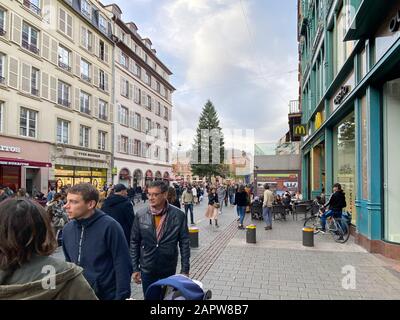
x,y
177,287
257,209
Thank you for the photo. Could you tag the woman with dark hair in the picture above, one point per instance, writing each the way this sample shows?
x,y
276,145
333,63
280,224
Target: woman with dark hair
x,y
27,271
241,202
213,206
172,199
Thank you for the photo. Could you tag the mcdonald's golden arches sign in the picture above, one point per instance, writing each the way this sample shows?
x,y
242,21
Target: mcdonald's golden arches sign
x,y
300,130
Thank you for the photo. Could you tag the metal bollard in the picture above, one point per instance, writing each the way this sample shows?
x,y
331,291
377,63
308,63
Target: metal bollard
x,y
251,234
194,237
308,237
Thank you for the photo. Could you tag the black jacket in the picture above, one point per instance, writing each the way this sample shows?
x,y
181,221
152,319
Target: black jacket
x,y
160,258
120,208
241,199
337,201
212,198
98,245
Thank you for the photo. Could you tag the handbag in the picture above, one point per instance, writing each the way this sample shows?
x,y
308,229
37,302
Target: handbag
x,y
216,205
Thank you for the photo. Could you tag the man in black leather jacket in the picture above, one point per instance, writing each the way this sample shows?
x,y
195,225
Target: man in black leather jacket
x,y
157,230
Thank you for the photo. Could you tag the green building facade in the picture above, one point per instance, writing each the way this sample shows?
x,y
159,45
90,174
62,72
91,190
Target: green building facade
x,y
350,99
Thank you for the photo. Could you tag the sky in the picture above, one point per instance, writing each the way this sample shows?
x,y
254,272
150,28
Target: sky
x,y
240,54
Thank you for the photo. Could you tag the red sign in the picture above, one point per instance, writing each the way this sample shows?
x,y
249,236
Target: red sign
x,y
23,163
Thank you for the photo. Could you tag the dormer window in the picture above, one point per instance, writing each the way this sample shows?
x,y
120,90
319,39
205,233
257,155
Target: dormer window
x,y
86,9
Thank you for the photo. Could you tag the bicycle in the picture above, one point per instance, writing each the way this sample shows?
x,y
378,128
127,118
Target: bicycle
x,y
339,228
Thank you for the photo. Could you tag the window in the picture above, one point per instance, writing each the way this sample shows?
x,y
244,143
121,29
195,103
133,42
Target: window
x,y
102,50
33,5
138,71
166,155
30,38
103,24
158,86
65,23
2,22
147,78
137,121
64,94
137,147
35,81
165,113
138,96
124,144
148,150
1,115
62,131
148,102
2,68
124,116
158,110
101,143
157,152
166,133
158,127
102,80
84,136
124,60
84,102
124,87
85,8
64,58
103,110
147,125
87,39
85,70
28,123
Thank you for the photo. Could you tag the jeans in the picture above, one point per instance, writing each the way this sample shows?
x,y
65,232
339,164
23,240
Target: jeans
x,y
221,202
267,215
241,211
330,213
190,208
148,279
232,199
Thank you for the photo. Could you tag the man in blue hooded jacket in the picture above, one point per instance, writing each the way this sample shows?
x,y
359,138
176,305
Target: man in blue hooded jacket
x,y
97,243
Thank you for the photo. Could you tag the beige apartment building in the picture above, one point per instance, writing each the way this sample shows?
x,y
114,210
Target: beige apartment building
x,y
56,106
142,107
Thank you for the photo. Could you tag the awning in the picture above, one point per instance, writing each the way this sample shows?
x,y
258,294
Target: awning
x,y
23,163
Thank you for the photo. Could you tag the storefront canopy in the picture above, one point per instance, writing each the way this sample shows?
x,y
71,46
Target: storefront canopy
x,y
23,163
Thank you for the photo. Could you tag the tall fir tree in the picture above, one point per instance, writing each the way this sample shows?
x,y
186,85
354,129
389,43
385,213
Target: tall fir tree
x,y
208,150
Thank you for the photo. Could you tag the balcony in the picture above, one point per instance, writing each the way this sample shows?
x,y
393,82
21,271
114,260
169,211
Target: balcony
x,y
35,92
2,31
85,77
85,110
64,66
63,102
102,86
103,117
32,7
30,47
294,107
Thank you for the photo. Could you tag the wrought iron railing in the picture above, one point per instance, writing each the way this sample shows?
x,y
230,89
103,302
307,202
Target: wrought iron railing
x,y
64,66
30,47
85,77
64,102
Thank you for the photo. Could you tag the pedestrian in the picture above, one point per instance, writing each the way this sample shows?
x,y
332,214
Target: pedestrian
x,y
195,195
221,193
188,200
157,231
27,242
120,208
231,194
267,207
131,195
172,199
241,201
21,193
3,194
144,194
213,206
96,242
56,212
102,198
51,194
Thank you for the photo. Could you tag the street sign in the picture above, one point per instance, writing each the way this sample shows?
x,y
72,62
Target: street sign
x,y
300,130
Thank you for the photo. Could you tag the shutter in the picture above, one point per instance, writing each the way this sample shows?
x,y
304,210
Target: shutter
x,y
96,106
13,72
106,49
45,46
96,45
54,53
119,113
130,146
77,65
16,29
70,27
131,119
62,22
119,144
96,76
121,85
26,78
136,94
131,65
45,85
83,30
111,112
144,99
106,82
46,11
77,98
130,91
53,89
143,125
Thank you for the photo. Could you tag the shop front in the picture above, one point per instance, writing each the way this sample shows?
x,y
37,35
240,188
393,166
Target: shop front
x,y
279,183
73,166
24,164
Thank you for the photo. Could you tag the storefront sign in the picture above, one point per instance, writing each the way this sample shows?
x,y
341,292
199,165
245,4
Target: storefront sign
x,y
395,22
341,95
85,155
300,130
23,163
10,149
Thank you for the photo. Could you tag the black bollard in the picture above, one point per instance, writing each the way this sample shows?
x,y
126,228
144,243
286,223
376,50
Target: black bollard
x,y
308,237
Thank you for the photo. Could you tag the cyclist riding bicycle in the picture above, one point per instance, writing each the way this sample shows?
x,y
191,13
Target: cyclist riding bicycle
x,y
336,204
